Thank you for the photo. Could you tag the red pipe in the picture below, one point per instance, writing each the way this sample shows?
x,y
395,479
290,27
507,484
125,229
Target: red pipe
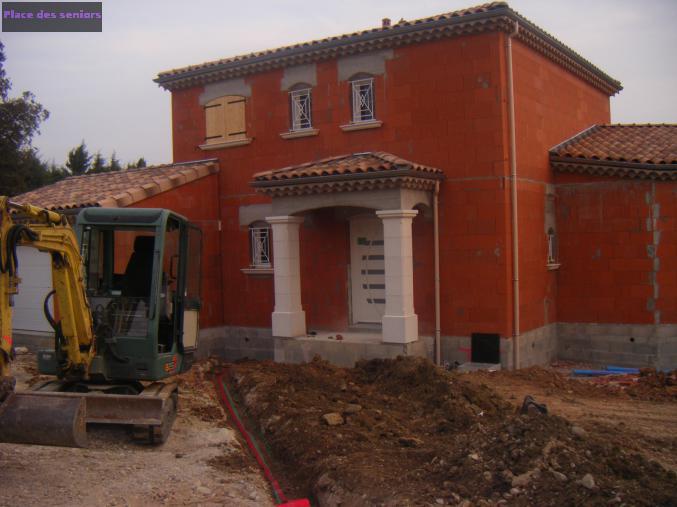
x,y
220,388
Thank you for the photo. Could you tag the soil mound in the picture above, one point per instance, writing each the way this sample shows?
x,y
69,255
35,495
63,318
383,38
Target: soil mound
x,y
404,432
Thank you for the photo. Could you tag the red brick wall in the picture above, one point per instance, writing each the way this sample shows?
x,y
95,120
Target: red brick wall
x,y
198,201
551,105
608,246
442,103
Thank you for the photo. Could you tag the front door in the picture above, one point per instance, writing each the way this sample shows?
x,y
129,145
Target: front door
x,y
367,269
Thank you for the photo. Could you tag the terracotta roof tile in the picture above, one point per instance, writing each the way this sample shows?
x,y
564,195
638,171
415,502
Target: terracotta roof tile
x,y
357,163
347,173
642,144
494,16
627,150
116,189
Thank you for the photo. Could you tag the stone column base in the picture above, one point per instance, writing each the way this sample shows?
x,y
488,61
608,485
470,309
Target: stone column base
x,y
289,324
400,328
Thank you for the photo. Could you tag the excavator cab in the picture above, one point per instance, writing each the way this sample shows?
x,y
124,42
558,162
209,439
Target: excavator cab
x,y
142,280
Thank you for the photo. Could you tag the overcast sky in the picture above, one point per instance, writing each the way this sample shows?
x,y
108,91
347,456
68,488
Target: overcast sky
x,y
98,86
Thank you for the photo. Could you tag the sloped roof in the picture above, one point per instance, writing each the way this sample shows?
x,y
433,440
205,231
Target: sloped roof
x,y
357,171
628,150
494,16
116,189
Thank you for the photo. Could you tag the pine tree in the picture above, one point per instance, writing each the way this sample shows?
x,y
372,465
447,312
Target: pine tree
x,y
79,160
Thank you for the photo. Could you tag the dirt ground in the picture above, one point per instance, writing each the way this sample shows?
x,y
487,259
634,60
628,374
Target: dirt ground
x,y
387,432
202,463
402,432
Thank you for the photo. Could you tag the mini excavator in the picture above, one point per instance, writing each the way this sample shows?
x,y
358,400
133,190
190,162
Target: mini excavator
x,y
125,306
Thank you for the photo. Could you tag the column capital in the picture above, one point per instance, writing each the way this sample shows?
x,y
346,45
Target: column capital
x,y
284,219
397,213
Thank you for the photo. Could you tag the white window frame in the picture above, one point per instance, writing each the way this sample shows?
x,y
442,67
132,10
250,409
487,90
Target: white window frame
x,y
259,242
301,109
363,100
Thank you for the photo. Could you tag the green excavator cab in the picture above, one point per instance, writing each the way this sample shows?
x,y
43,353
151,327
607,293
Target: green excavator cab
x,y
142,279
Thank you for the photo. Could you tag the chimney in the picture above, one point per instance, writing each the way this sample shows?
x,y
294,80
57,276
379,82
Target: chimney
x,y
385,23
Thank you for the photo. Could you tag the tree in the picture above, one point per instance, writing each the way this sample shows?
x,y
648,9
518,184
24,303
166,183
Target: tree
x,y
79,160
136,165
114,164
20,119
98,164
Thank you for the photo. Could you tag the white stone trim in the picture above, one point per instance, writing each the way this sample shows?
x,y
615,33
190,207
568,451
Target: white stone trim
x,y
400,322
288,318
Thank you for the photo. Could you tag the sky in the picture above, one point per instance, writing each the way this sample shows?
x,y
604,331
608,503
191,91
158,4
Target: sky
x,y
98,87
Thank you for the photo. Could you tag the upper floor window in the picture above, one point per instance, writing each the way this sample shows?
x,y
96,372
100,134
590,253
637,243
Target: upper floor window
x,y
301,108
363,99
225,121
259,238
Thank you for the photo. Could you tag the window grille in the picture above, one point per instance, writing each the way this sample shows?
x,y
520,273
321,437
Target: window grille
x,y
552,247
363,100
260,246
300,109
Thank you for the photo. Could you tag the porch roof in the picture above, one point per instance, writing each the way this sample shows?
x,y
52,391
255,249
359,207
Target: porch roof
x,y
345,173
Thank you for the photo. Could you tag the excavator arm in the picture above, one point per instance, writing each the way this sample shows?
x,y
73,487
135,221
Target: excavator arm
x,y
28,419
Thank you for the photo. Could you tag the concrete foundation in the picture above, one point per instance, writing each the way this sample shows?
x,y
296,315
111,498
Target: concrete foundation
x,y
619,344
601,344
342,353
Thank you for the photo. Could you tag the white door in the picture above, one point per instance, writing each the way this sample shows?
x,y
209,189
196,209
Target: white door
x,y
35,272
367,269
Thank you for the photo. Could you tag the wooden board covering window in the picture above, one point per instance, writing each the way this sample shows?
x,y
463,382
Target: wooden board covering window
x,y
225,119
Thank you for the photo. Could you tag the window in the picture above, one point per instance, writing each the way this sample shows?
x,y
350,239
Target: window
x,y
259,240
552,247
363,100
225,121
301,109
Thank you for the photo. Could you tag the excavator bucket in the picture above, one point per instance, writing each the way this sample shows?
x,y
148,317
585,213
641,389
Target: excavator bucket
x,y
29,418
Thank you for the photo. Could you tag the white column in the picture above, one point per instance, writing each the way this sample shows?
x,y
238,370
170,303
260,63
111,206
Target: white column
x,y
400,323
289,319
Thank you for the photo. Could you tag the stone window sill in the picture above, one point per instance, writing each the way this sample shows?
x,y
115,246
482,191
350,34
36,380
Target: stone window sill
x,y
553,266
226,144
372,124
258,271
294,134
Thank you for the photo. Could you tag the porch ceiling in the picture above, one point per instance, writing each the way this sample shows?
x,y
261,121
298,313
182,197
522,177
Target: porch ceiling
x,y
347,173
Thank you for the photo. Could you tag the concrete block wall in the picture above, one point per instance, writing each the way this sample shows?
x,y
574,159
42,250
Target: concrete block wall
x,y
639,345
233,342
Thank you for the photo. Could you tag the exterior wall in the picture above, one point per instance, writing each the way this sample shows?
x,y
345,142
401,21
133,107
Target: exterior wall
x,y
617,247
197,201
441,105
551,105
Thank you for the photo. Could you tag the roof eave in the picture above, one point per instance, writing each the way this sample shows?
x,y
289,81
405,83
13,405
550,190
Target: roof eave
x,y
614,168
346,177
282,58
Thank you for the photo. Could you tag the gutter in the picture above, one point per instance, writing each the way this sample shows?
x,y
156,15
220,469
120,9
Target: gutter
x,y
436,253
513,204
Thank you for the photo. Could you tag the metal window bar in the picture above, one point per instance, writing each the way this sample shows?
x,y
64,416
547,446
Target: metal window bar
x,y
363,100
300,109
260,240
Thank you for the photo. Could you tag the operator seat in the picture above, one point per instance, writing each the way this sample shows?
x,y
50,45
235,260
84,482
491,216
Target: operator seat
x,y
139,272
